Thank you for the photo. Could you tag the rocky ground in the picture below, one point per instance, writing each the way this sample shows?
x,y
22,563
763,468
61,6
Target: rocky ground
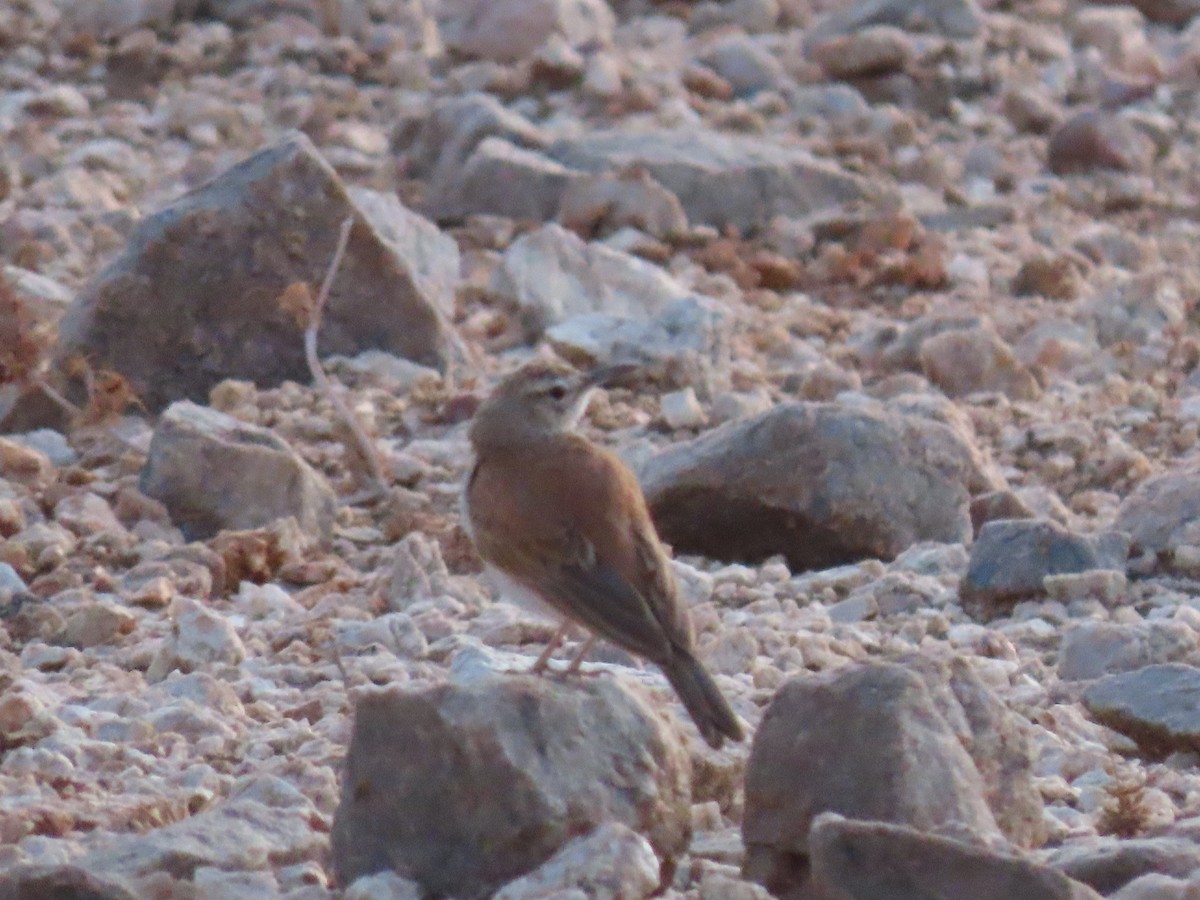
x,y
911,287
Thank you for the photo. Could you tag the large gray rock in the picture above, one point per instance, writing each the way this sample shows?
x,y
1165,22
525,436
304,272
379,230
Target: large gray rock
x,y
855,860
465,787
511,30
1157,706
214,472
194,297
1012,557
720,179
820,483
867,742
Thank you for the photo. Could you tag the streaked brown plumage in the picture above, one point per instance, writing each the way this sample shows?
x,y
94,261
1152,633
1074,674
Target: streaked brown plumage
x,y
566,521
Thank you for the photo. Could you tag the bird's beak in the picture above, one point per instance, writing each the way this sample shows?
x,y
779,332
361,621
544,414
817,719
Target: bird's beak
x,y
606,376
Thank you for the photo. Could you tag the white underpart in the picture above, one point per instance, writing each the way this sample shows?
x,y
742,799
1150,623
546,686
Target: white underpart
x,y
517,594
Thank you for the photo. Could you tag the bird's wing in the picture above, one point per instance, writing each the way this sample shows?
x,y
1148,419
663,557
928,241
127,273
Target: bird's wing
x,y
587,547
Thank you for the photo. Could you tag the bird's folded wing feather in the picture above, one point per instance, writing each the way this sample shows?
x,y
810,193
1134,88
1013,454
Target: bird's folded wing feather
x,y
587,548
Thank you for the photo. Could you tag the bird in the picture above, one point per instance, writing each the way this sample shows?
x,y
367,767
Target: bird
x,y
561,524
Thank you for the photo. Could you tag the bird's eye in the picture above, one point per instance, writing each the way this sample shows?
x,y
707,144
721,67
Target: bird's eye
x,y
557,392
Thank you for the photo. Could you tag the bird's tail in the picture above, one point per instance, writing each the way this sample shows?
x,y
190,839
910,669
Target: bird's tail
x,y
702,699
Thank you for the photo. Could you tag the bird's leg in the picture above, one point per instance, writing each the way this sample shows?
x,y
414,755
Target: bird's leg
x,y
543,661
577,659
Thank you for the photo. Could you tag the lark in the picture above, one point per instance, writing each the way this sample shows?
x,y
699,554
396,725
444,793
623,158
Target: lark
x,y
562,524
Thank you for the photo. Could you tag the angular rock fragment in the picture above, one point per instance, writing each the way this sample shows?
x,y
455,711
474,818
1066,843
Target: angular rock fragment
x,y
820,483
966,361
194,297
1157,706
1108,864
247,831
1140,309
1162,515
465,787
867,742
870,53
510,30
201,636
612,200
998,741
611,861
43,882
550,275
744,63
213,472
1094,649
687,344
953,18
994,505
857,860
24,465
1012,557
1168,12
502,179
720,179
1098,139
438,143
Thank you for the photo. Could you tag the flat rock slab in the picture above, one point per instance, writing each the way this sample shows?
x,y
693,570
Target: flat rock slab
x,y
1093,649
465,787
1157,706
194,297
214,472
855,860
820,483
240,833
1012,557
720,179
1108,864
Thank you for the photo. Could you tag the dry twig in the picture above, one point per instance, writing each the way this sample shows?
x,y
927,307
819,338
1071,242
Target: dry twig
x,y
1125,813
297,300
